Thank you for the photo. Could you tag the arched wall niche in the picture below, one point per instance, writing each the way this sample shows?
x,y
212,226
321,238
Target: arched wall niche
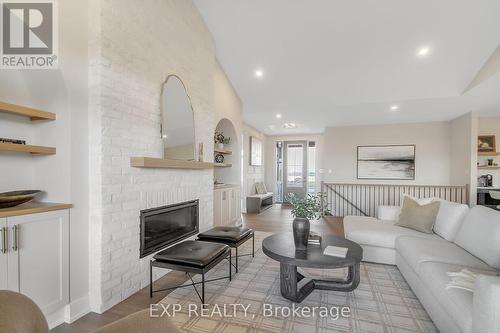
x,y
232,174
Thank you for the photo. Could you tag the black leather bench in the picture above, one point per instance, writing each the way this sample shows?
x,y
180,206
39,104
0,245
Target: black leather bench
x,y
191,256
231,236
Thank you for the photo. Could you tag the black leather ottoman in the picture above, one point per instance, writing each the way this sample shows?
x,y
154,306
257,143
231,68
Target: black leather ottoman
x,y
191,256
231,236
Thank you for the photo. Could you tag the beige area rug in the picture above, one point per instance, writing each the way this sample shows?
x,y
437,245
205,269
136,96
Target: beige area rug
x,y
383,302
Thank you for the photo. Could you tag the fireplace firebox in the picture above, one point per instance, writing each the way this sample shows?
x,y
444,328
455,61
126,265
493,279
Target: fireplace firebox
x,y
163,226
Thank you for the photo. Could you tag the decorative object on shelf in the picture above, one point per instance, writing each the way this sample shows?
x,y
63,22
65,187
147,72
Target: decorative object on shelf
x,y
200,152
14,141
386,162
255,151
490,161
219,158
15,198
220,140
304,209
486,143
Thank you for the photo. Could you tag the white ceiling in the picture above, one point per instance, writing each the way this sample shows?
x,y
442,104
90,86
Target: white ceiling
x,y
345,62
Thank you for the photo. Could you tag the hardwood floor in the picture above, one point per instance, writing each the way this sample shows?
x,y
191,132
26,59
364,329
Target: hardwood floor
x,y
275,219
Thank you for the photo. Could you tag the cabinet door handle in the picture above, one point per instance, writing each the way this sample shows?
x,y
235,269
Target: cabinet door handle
x,y
15,237
4,241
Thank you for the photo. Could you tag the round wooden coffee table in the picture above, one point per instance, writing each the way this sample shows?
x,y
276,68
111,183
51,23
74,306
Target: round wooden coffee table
x,y
295,286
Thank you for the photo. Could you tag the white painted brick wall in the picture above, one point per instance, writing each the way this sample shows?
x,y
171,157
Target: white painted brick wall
x,y
135,45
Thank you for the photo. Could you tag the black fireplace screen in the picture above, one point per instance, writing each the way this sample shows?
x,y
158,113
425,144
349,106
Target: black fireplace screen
x,y
166,225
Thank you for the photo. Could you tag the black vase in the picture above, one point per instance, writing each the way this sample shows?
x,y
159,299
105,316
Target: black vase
x,y
301,227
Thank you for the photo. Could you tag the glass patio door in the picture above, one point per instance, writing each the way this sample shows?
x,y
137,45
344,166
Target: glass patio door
x,y
295,168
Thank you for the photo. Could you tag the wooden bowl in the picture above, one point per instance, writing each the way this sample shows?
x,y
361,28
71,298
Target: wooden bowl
x,y
14,198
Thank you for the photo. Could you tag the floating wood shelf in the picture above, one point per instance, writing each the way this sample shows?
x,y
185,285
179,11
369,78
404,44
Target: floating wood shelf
x,y
33,208
488,167
484,153
222,151
33,114
152,162
222,165
27,148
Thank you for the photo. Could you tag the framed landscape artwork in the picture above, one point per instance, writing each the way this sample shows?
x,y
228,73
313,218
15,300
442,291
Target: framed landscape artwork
x,y
386,162
255,151
486,143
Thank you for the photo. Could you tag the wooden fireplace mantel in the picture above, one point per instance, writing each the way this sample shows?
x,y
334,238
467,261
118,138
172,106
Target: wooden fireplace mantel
x,y
153,162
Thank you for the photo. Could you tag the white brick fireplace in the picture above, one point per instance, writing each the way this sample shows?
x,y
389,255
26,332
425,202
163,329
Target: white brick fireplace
x,y
132,52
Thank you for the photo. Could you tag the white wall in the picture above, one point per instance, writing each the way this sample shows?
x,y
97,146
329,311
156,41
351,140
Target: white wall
x,y
63,176
252,174
463,153
229,118
490,126
432,142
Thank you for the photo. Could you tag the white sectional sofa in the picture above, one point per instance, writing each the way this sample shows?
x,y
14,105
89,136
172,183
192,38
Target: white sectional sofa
x,y
463,238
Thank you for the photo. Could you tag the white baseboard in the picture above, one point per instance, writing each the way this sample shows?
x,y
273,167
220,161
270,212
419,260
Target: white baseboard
x,y
77,309
56,318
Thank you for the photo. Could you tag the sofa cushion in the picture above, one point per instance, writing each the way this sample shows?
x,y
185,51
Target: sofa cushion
x,y
418,217
480,234
457,303
417,250
449,219
190,252
225,233
370,231
388,213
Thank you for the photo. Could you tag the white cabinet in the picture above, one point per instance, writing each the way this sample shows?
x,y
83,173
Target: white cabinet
x,y
227,206
3,253
36,263
235,205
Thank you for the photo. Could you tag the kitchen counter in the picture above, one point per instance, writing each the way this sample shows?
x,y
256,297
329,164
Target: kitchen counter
x,y
489,188
33,207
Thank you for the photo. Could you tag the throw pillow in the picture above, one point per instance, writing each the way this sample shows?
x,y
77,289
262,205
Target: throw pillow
x,y
421,201
449,219
388,213
418,217
259,188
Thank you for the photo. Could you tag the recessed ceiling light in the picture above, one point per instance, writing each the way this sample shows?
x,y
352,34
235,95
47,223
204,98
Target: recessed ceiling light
x,y
423,51
278,116
289,125
395,107
259,73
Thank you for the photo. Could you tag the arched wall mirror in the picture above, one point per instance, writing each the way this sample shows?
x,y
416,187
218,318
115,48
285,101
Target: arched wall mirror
x,y
177,121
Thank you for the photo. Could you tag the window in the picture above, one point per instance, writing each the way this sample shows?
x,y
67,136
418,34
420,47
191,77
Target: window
x,y
311,167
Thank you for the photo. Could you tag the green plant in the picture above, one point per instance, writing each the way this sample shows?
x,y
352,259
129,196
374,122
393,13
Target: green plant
x,y
220,138
312,206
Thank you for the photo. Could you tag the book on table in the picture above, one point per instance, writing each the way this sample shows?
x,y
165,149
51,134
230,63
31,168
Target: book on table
x,y
314,239
336,251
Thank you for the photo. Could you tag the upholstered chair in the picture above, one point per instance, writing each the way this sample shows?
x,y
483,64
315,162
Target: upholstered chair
x,y
19,314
